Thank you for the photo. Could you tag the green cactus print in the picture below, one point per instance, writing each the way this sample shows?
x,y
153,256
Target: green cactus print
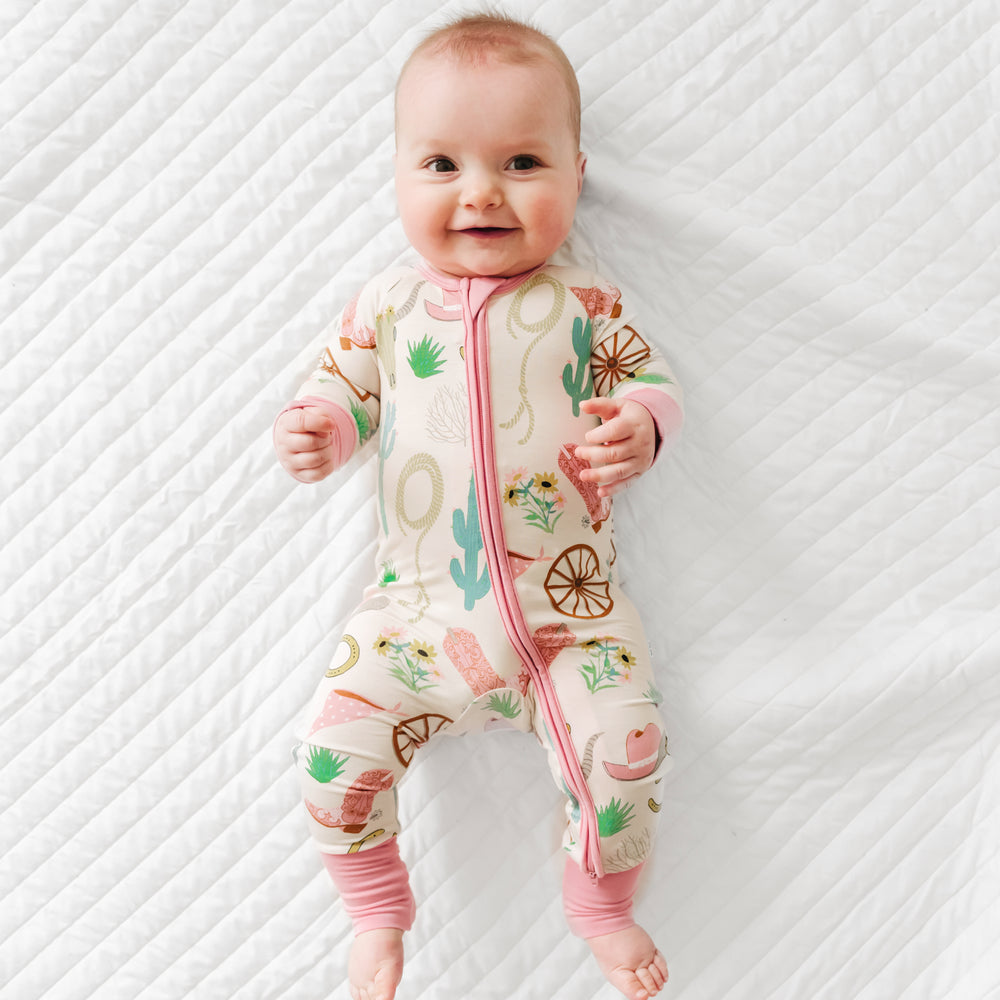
x,y
425,358
388,574
614,817
365,429
507,704
653,694
323,765
465,528
579,385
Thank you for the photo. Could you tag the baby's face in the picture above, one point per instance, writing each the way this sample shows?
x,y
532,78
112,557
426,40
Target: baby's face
x,y
488,170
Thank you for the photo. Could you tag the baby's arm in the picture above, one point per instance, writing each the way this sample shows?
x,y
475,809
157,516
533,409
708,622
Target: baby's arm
x,y
337,409
637,400
622,448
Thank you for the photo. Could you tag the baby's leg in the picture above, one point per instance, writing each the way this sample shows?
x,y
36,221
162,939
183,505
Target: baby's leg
x,y
350,797
600,911
386,695
372,880
608,699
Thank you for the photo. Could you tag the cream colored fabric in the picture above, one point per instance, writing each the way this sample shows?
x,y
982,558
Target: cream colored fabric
x,y
428,651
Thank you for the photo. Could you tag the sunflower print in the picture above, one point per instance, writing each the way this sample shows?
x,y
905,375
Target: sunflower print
x,y
423,651
410,661
608,664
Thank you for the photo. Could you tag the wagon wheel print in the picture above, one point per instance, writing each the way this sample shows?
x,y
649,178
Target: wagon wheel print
x,y
612,362
575,586
415,732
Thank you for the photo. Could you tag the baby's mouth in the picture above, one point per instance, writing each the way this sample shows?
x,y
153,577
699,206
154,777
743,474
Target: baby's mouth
x,y
486,232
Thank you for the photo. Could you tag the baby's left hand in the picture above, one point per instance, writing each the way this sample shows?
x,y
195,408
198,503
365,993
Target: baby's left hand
x,y
622,448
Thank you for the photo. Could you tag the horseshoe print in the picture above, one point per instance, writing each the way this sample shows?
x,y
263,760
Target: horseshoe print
x,y
353,653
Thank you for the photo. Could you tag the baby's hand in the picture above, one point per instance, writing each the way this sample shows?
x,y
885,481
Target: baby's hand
x,y
622,448
303,440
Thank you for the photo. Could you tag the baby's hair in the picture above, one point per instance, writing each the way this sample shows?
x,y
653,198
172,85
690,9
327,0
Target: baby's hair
x,y
476,38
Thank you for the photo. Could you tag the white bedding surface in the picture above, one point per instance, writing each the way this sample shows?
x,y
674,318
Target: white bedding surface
x,y
802,196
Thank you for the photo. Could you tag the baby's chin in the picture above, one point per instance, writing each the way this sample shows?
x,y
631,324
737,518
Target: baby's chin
x,y
469,269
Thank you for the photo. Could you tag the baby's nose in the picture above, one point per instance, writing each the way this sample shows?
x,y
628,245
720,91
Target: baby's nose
x,y
481,190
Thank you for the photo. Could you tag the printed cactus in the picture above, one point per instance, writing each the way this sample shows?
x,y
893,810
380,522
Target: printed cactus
x,y
614,817
364,424
323,765
425,357
465,528
507,705
579,385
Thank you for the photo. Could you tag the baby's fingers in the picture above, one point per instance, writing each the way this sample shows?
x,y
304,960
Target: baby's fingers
x,y
305,420
612,479
613,429
302,430
310,466
604,454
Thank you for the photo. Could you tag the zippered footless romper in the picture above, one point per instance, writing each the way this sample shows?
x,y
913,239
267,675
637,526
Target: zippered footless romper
x,y
495,604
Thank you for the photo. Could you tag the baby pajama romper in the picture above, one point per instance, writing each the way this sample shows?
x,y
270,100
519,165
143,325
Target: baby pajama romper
x,y
496,604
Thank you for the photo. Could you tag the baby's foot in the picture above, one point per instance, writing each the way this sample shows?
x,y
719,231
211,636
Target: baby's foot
x,y
376,964
630,962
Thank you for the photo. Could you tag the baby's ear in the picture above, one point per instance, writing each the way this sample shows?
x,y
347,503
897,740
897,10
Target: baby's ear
x,y
581,166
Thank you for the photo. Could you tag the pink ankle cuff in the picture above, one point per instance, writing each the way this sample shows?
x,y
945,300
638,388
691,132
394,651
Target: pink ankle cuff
x,y
598,906
374,886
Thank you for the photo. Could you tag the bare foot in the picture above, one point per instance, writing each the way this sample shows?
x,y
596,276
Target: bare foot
x,y
376,964
630,962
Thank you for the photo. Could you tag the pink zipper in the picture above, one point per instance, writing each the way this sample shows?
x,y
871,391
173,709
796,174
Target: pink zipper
x,y
490,518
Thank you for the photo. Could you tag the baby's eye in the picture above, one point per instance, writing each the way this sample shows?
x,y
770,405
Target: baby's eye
x,y
523,163
441,165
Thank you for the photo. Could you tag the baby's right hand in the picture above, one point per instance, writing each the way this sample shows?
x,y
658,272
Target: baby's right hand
x,y
303,440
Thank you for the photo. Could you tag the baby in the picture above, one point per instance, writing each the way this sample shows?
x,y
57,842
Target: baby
x,y
512,399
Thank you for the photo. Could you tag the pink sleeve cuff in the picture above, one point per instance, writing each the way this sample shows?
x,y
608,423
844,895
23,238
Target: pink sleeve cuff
x,y
345,430
666,413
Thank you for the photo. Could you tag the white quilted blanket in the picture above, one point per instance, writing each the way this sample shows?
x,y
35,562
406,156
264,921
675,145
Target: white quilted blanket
x,y
802,196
